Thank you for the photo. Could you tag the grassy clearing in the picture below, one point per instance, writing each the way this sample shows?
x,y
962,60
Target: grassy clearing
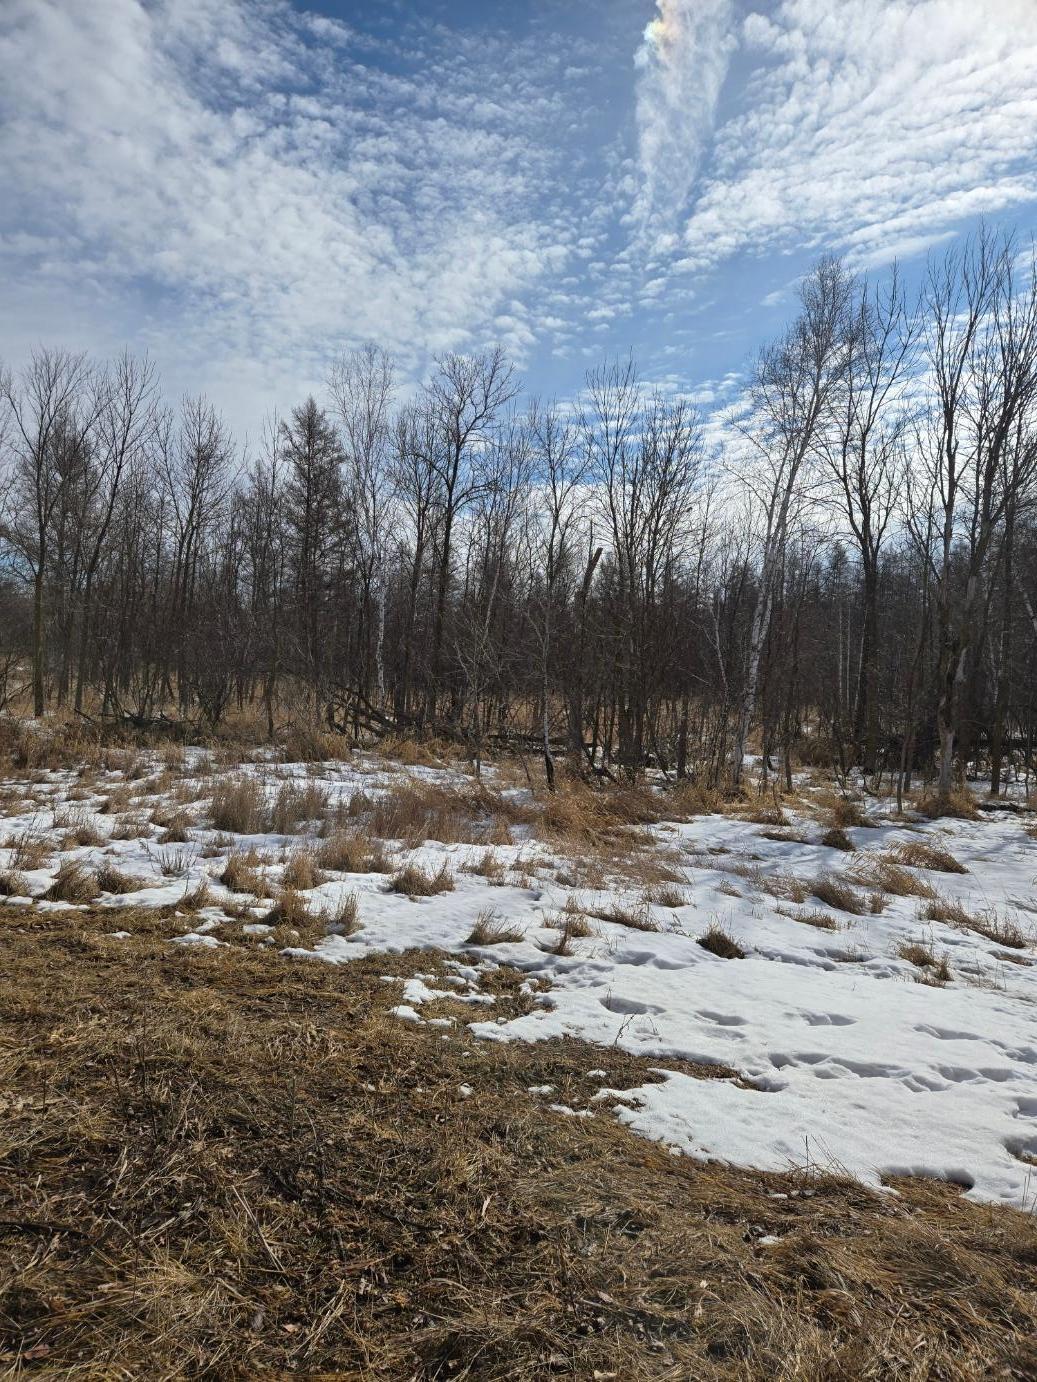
x,y
301,1188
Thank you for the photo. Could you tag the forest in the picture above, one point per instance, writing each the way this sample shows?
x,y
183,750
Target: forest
x,y
838,569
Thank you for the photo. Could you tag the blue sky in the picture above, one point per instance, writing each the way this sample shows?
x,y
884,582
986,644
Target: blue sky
x,y
245,188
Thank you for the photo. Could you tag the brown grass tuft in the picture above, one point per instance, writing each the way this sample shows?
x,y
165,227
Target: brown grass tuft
x,y
301,871
918,854
720,942
73,883
113,880
958,804
989,922
239,806
418,882
834,892
490,929
242,874
351,853
881,874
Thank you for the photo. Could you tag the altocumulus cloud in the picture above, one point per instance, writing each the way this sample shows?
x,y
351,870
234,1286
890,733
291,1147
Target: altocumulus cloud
x,y
872,127
240,183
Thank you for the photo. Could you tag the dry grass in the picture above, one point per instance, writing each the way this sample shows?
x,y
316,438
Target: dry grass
x,y
242,874
113,880
836,838
13,884
295,807
491,929
489,865
988,922
842,812
636,916
837,893
343,919
414,881
821,920
290,910
344,852
173,862
134,825
922,956
302,872
73,883
239,806
919,854
720,942
175,826
958,804
884,875
77,827
668,895
30,848
299,1190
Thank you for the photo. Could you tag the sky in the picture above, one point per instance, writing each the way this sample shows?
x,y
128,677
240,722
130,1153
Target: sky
x,y
246,188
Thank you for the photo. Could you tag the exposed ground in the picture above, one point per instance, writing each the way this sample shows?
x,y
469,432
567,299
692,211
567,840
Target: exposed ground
x,y
237,1164
363,1069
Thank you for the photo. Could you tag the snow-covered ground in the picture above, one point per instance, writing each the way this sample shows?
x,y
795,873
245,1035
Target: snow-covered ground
x,y
848,1056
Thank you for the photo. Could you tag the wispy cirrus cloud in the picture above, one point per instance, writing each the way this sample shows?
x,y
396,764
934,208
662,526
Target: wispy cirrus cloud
x,y
681,66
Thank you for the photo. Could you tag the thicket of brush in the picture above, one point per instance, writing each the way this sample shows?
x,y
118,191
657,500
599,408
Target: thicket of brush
x,y
594,583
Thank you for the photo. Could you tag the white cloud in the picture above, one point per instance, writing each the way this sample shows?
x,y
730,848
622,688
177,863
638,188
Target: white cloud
x,y
682,62
234,184
874,127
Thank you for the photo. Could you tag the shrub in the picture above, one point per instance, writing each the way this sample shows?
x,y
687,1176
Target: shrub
x,y
719,942
417,882
73,883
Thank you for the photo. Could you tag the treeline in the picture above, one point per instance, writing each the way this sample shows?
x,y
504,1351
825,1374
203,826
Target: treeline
x,y
843,569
